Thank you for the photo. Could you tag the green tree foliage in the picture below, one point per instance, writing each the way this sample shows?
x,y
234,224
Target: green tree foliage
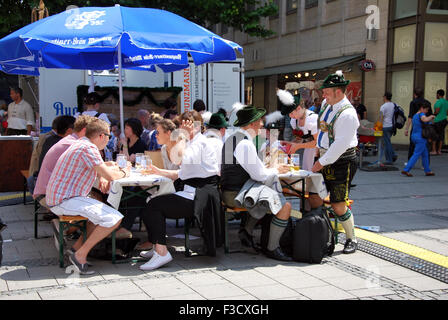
x,y
239,14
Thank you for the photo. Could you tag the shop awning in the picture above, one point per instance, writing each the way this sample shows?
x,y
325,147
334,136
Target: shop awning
x,y
304,66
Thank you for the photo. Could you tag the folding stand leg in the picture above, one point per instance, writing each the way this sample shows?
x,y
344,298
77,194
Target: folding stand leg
x,y
187,237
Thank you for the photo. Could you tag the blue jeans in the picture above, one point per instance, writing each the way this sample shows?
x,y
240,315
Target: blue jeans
x,y
388,149
420,150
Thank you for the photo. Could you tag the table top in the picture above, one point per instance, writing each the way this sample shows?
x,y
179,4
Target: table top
x,y
136,178
299,174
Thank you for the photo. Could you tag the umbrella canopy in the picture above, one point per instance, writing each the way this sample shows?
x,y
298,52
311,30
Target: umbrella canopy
x,y
103,38
88,38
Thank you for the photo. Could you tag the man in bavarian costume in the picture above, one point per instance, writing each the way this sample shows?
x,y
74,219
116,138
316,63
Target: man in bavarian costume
x,y
337,141
216,130
241,163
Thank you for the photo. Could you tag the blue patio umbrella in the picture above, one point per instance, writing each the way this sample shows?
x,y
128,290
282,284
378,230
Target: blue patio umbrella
x,y
103,38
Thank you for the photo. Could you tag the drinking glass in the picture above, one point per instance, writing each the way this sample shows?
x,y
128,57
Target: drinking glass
x,y
283,159
138,160
121,161
295,159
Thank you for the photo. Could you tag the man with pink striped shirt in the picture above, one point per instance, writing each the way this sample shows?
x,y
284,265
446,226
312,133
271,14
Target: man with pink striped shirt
x,y
71,182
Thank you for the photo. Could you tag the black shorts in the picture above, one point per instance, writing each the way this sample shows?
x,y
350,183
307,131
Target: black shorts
x,y
440,129
338,177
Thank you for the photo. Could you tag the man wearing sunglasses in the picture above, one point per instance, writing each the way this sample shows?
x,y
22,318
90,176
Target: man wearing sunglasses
x,y
71,182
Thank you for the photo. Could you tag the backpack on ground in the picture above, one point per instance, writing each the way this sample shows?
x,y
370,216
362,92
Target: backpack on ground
x,y
399,119
313,237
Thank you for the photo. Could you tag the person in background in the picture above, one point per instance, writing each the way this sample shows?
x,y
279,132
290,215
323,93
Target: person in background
x,y
64,128
414,107
144,117
386,117
170,114
169,104
440,122
20,114
153,121
316,106
361,109
216,131
199,106
131,143
421,148
3,116
113,144
92,103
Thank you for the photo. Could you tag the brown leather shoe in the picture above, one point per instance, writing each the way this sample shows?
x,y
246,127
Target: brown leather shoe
x,y
406,173
430,174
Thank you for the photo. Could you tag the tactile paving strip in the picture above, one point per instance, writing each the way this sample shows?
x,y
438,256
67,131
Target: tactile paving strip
x,y
403,259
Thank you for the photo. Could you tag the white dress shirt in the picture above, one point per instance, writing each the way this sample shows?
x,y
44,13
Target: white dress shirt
x,y
246,155
199,159
20,115
344,130
216,141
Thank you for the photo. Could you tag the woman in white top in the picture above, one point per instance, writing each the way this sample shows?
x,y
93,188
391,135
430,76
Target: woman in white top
x,y
164,130
306,121
197,196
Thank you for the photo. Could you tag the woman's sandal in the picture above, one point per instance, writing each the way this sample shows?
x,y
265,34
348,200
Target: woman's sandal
x,y
406,173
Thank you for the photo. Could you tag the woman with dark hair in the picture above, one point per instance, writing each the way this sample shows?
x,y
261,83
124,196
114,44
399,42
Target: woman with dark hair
x,y
197,197
421,149
131,143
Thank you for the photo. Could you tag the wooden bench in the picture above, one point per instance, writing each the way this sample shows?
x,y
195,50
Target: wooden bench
x,y
65,222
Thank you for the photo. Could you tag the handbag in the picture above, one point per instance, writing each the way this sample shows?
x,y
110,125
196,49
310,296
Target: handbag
x,y
429,132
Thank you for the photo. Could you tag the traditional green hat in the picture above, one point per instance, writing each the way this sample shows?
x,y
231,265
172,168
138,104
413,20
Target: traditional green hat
x,y
335,80
288,102
217,121
247,115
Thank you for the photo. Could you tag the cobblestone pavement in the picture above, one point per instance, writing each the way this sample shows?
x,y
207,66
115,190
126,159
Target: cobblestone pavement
x,y
412,210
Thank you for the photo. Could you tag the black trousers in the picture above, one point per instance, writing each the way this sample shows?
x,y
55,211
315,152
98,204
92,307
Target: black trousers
x,y
169,206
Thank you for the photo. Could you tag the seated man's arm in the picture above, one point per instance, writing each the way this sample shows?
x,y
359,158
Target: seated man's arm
x,y
111,173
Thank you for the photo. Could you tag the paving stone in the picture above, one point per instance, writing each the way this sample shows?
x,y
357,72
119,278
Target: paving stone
x,y
325,293
161,288
70,293
422,283
219,291
25,296
114,289
270,292
200,279
301,281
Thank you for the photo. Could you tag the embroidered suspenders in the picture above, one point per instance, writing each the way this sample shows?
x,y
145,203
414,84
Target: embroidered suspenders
x,y
329,127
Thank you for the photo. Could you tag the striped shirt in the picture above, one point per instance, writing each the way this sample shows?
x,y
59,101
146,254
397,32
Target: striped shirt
x,y
74,173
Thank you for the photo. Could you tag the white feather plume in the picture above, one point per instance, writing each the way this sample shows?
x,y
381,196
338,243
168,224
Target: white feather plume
x,y
273,117
285,97
339,73
206,116
236,107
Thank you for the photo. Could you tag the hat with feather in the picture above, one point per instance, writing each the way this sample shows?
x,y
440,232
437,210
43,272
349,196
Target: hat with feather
x,y
288,102
335,80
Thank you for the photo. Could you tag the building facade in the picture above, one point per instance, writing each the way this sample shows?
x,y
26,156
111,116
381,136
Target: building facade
x,y
380,45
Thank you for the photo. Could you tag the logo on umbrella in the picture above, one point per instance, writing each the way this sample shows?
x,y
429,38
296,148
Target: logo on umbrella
x,y
79,21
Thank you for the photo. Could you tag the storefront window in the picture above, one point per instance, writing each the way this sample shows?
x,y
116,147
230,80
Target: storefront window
x,y
436,41
404,46
402,88
434,81
437,7
405,8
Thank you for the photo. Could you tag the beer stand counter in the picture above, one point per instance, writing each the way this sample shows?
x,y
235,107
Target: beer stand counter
x,y
15,155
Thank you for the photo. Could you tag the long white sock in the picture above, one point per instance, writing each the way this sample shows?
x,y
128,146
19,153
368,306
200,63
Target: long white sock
x,y
348,223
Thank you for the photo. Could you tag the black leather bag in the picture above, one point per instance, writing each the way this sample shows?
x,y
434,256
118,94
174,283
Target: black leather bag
x,y
313,237
429,132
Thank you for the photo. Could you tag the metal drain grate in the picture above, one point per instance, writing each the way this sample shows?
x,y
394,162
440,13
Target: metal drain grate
x,y
405,260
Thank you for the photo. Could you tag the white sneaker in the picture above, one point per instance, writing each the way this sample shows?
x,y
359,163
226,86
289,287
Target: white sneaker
x,y
147,254
156,261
